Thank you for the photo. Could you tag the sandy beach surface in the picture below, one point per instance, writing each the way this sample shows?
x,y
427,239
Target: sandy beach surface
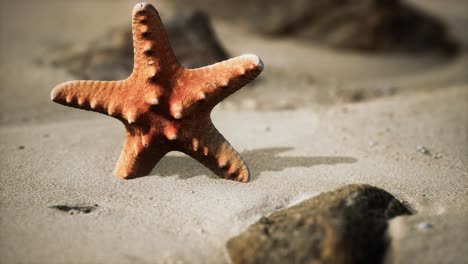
x,y
296,127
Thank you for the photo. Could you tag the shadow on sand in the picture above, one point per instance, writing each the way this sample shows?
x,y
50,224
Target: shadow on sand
x,y
258,160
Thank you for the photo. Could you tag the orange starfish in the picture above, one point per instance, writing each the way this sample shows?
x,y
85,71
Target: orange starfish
x,y
165,106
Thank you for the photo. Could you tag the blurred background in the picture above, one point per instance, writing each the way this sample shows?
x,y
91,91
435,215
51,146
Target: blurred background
x,y
317,53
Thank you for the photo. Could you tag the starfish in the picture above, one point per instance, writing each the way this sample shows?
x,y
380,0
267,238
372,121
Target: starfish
x,y
164,106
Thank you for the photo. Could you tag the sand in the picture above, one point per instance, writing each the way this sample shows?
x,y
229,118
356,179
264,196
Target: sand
x,y
298,138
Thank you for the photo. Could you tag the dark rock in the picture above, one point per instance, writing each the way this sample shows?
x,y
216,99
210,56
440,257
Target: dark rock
x,y
364,25
111,56
344,226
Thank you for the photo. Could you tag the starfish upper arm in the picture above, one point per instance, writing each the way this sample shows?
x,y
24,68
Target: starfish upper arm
x,y
211,84
153,53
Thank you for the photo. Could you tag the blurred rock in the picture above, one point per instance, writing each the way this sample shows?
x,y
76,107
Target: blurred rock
x,y
194,40
347,225
110,57
364,25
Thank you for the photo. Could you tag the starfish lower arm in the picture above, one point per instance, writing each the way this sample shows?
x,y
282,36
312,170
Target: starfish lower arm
x,y
136,159
205,144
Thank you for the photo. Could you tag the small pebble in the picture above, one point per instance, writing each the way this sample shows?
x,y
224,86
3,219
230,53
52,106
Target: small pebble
x,y
422,149
424,226
386,89
73,211
21,147
372,143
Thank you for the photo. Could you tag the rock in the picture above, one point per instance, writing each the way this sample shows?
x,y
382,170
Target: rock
x,y
111,56
379,25
344,226
364,25
265,16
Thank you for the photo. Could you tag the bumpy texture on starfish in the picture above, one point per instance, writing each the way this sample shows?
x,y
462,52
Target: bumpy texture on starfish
x,y
165,106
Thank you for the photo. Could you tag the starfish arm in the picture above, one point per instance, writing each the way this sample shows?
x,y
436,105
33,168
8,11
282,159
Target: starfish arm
x,y
97,96
211,84
136,159
153,54
211,149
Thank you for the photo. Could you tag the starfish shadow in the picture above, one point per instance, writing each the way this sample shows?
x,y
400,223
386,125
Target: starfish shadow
x,y
258,160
